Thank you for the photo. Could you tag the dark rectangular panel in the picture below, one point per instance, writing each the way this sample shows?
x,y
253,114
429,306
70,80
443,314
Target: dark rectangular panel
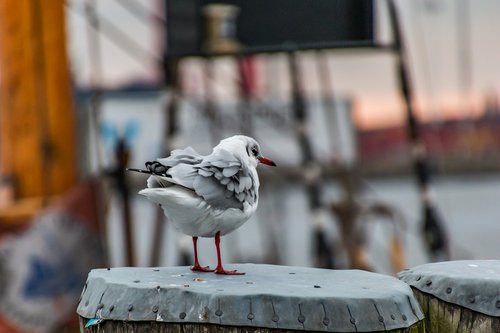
x,y
275,24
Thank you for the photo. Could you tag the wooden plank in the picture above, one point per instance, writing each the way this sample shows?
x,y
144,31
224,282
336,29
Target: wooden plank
x,y
441,316
158,327
60,113
37,143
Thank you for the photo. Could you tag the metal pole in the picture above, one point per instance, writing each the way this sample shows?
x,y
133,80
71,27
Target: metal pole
x,y
210,107
94,109
246,82
171,72
122,156
347,210
312,171
464,53
433,228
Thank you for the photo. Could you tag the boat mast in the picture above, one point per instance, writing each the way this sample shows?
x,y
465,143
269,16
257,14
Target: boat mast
x,y
37,125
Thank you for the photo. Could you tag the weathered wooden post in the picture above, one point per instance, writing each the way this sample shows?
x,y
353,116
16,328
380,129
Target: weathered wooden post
x,y
458,296
267,299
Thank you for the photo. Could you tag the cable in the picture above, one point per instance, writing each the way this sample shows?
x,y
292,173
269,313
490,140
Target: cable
x,y
424,55
141,12
115,35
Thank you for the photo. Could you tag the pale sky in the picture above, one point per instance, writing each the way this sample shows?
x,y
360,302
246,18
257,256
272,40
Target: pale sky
x,y
432,34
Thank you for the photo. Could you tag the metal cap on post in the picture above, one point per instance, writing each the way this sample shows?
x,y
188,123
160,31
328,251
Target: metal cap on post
x,y
458,296
274,297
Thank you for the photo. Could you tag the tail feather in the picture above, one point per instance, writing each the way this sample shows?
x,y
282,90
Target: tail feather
x,y
139,170
159,178
152,168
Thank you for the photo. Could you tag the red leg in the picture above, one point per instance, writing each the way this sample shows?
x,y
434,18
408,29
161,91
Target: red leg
x,y
220,269
197,267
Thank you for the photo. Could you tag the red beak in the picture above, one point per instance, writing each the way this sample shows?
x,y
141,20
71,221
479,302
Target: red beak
x,y
266,161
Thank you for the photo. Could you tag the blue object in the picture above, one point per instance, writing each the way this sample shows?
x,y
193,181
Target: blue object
x,y
93,321
46,279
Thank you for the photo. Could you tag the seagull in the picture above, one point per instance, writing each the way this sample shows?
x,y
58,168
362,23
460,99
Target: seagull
x,y
207,196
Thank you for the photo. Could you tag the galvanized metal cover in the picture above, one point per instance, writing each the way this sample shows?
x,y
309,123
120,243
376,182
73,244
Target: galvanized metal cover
x,y
267,296
473,284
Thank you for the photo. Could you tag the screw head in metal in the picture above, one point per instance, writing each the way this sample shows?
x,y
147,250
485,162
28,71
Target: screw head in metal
x,y
275,318
428,282
301,319
404,318
218,313
130,307
326,321
100,306
352,320
381,319
448,290
393,317
155,309
497,304
250,316
182,315
472,299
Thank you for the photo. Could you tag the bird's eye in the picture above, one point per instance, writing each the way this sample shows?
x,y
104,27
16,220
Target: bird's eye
x,y
255,151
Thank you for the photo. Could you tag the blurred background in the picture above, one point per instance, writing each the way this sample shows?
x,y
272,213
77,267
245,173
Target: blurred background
x,y
383,117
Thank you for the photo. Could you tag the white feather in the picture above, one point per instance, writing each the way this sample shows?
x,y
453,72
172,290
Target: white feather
x,y
201,198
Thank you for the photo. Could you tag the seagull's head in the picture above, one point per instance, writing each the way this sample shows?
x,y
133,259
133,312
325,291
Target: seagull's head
x,y
246,148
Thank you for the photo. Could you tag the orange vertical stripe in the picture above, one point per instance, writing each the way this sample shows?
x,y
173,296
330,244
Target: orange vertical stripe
x,y
35,98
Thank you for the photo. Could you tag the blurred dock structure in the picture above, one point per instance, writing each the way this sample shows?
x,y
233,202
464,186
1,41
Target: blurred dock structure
x,y
232,33
298,214
232,55
454,150
230,101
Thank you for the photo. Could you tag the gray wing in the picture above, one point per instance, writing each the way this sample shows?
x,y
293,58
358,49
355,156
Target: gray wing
x,y
181,156
176,168
224,182
220,178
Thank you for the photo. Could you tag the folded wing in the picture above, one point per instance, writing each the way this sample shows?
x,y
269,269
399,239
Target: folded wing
x,y
220,179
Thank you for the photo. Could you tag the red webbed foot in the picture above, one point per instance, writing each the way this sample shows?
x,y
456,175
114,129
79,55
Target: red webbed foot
x,y
198,268
220,270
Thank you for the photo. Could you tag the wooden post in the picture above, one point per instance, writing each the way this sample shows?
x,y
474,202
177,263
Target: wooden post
x,y
458,296
37,143
267,299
